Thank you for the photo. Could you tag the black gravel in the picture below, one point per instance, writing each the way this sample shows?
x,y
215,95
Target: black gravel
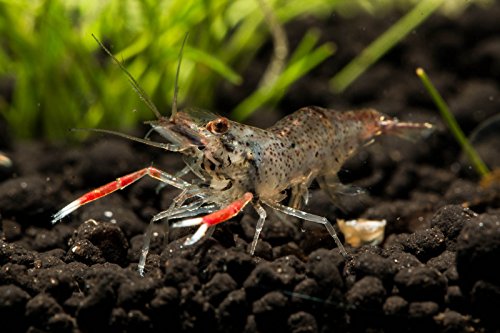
x,y
437,269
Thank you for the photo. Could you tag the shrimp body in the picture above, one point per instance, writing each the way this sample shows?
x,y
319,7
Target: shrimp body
x,y
310,143
237,164
241,161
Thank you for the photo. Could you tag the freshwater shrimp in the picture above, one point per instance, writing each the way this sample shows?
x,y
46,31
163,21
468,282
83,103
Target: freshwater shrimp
x,y
237,164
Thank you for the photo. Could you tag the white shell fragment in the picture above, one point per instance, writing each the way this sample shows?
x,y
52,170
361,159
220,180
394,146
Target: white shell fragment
x,y
5,161
362,231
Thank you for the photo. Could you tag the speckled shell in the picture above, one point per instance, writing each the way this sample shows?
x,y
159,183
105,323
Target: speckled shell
x,y
309,143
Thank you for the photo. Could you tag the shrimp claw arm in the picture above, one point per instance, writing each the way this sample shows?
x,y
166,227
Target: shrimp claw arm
x,y
119,184
310,217
214,218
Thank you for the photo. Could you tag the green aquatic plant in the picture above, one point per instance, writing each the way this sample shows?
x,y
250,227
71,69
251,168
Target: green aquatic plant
x,y
474,158
304,58
418,12
53,76
383,43
60,78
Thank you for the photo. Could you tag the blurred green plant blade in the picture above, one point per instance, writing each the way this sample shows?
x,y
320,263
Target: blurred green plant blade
x,y
292,73
61,78
383,43
452,123
199,56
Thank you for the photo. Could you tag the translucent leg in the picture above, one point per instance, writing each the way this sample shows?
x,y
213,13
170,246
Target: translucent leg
x,y
179,174
258,228
300,192
299,196
313,218
179,212
337,191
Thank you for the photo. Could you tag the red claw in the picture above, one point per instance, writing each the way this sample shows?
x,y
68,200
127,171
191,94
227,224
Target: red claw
x,y
119,184
228,212
214,218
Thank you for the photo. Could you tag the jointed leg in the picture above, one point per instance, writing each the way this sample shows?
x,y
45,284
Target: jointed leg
x,y
173,212
300,192
313,218
184,171
176,210
119,184
258,228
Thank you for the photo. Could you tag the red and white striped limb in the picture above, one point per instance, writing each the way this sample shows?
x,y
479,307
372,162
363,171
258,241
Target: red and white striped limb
x,y
119,184
214,218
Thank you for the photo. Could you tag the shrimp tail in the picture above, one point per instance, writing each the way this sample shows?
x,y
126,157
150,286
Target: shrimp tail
x,y
406,130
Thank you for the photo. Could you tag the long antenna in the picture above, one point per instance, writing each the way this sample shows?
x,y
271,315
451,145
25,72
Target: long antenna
x,y
176,86
130,137
142,94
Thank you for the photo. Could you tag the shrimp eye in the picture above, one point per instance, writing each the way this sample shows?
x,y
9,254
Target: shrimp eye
x,y
218,126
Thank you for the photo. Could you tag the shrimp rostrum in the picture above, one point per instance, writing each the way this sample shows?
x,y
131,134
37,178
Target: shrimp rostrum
x,y
236,164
